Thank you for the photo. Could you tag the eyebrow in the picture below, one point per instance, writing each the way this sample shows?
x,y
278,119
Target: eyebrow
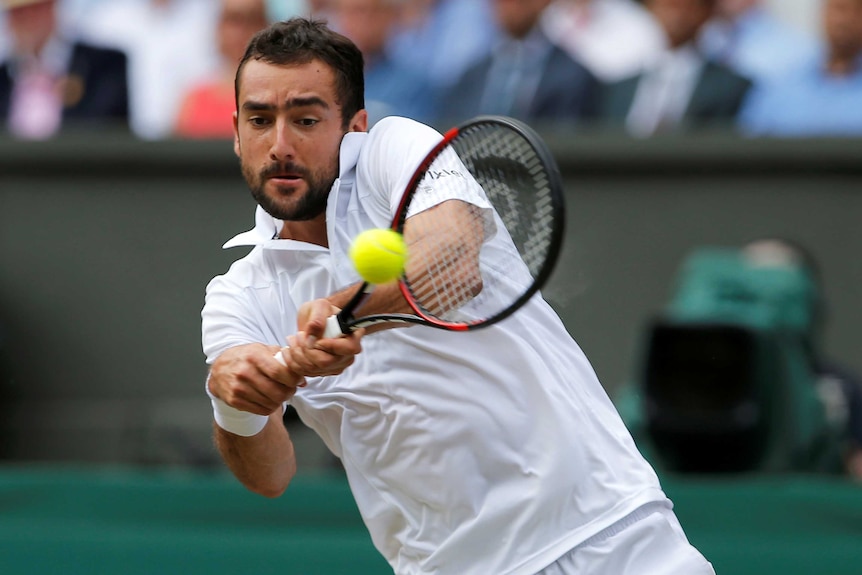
x,y
305,102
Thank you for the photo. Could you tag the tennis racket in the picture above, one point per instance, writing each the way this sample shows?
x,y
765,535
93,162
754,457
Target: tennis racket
x,y
483,219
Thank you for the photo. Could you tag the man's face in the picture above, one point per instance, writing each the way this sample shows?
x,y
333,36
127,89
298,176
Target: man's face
x,y
32,25
288,132
238,22
842,22
517,17
733,8
681,19
366,22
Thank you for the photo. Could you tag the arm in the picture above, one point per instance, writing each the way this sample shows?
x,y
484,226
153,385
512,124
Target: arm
x,y
265,463
248,385
443,243
443,267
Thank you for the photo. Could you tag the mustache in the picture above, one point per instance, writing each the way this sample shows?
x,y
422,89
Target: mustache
x,y
277,169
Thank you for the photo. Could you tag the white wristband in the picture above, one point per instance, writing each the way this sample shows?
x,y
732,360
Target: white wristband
x,y
235,421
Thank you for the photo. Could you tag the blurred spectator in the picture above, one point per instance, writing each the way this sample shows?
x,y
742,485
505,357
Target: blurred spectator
x,y
50,81
442,38
171,46
614,39
5,42
278,10
746,36
821,97
804,15
527,76
683,89
207,109
733,376
390,88
839,388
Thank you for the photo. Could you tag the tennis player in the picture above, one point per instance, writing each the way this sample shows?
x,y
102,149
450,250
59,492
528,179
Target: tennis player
x,y
494,452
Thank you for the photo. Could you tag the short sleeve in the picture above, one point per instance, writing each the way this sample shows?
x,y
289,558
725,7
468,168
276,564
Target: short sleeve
x,y
394,149
227,320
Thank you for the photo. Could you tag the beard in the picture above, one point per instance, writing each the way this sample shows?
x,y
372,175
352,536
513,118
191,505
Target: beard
x,y
289,208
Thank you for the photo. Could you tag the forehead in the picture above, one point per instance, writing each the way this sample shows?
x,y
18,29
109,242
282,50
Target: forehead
x,y
274,83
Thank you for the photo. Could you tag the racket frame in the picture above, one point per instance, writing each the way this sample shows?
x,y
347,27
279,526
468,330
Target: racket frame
x,y
344,322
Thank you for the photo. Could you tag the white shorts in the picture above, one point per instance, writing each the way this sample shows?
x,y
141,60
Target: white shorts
x,y
649,541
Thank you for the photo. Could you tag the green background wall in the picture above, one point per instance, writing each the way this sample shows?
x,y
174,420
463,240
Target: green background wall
x,y
107,243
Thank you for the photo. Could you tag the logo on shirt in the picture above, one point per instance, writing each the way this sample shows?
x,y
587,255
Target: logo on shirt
x,y
437,174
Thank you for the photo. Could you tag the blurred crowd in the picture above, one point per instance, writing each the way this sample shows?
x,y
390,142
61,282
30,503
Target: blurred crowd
x,y
165,68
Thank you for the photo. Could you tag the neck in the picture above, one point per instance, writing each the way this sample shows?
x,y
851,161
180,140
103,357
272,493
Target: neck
x,y
311,231
673,46
523,29
842,64
32,49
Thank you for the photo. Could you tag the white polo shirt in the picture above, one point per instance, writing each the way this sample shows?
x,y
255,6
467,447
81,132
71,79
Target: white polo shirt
x,y
487,452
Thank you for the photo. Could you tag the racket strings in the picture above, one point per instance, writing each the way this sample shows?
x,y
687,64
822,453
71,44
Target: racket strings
x,y
443,276
477,255
515,178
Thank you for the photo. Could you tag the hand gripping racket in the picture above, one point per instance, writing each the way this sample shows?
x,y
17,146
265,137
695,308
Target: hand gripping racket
x,y
483,219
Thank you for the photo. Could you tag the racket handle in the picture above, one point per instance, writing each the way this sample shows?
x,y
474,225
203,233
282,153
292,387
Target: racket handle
x,y
333,327
279,357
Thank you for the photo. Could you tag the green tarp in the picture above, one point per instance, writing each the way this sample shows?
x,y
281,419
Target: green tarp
x,y
134,522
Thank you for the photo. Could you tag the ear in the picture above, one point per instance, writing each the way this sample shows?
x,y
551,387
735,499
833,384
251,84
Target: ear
x,y
359,122
236,147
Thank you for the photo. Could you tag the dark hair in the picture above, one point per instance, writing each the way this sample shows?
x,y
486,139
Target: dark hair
x,y
301,40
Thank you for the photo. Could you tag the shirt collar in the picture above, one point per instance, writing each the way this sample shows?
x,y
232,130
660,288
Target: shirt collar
x,y
685,57
266,227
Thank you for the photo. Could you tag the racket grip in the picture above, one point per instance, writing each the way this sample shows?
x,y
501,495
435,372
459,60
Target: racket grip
x,y
333,327
279,357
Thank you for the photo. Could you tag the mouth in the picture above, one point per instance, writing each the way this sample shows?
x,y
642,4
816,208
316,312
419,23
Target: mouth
x,y
285,177
285,181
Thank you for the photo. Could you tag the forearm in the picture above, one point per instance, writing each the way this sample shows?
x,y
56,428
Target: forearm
x,y
443,242
265,463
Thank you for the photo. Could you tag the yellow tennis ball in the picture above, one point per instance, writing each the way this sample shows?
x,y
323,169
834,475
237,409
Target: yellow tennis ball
x,y
379,255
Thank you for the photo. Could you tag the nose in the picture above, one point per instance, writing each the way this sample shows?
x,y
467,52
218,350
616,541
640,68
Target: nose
x,y
282,144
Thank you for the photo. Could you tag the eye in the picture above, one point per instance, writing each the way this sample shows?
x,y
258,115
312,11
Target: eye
x,y
308,122
258,121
